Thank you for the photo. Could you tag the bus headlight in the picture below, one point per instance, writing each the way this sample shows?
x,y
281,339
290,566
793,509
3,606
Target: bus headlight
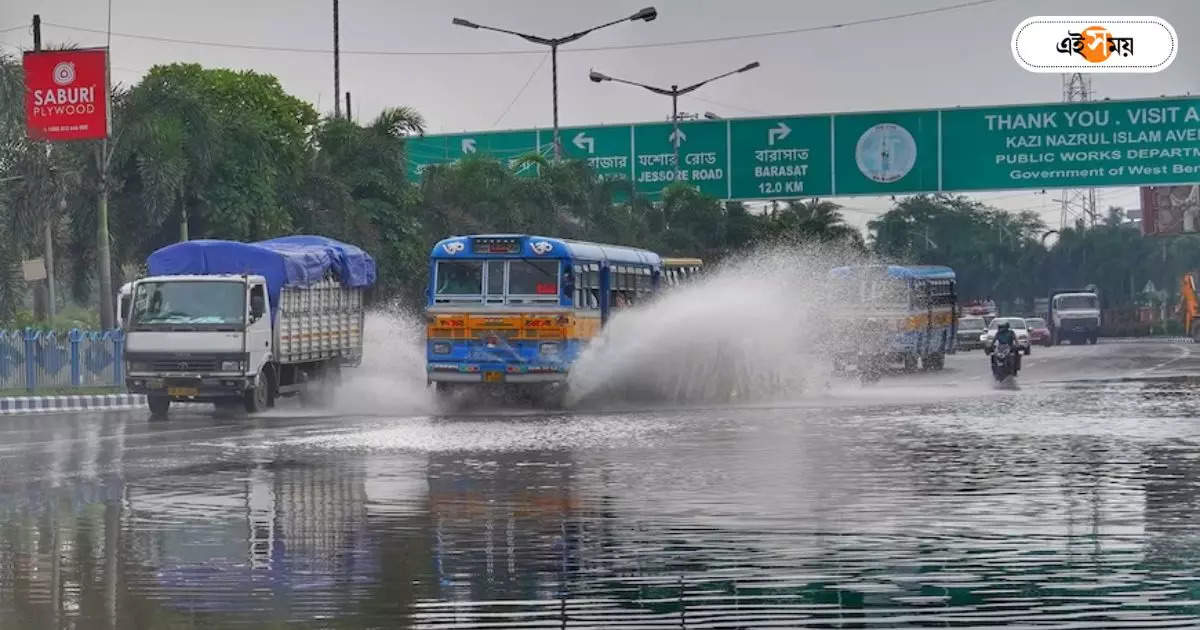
x,y
549,348
232,366
441,348
138,366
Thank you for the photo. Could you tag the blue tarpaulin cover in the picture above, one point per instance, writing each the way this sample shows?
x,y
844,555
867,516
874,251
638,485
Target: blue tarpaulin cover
x,y
291,261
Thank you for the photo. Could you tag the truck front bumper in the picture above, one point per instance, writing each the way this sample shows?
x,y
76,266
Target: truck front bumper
x,y
204,388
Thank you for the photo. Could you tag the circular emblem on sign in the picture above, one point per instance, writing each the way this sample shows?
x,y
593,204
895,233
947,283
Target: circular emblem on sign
x,y
886,153
453,247
541,248
64,73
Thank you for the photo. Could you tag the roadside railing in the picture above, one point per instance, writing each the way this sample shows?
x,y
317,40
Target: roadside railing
x,y
34,359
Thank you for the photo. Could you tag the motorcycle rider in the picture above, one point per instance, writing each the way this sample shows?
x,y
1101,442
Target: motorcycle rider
x,y
1006,336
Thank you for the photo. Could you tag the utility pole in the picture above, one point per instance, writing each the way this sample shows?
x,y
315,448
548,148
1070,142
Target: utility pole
x,y
337,79
348,116
104,155
49,214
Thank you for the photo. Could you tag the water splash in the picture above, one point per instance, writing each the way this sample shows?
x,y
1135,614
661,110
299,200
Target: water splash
x,y
391,379
751,330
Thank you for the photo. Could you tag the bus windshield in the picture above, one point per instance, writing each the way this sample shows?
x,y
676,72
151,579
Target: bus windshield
x,y
459,277
497,281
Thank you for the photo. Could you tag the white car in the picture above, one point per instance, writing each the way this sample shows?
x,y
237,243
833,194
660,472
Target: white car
x,y
1018,326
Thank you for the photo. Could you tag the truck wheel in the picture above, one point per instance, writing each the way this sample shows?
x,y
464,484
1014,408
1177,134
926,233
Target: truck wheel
x,y
159,405
259,398
1093,340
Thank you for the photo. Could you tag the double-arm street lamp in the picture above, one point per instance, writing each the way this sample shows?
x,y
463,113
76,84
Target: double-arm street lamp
x,y
648,14
674,92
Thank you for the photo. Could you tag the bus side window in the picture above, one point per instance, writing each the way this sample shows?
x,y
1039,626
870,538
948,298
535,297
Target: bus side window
x,y
593,286
577,279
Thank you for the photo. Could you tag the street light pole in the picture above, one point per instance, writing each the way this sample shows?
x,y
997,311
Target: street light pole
x,y
674,92
675,127
647,14
554,95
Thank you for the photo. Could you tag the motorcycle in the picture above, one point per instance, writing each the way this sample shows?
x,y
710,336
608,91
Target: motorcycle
x,y
1004,362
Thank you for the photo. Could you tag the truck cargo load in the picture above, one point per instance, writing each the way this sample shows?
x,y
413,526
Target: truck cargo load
x,y
292,261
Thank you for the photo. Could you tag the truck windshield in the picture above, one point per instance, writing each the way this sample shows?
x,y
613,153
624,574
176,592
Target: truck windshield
x,y
194,303
1076,302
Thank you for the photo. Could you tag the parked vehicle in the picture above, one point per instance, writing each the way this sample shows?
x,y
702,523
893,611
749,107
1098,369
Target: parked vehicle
x,y
243,323
1039,332
1074,316
1018,326
969,331
1004,363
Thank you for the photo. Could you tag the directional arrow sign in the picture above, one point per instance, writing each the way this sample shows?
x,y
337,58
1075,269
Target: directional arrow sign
x,y
778,132
703,156
676,137
606,149
776,158
506,146
584,142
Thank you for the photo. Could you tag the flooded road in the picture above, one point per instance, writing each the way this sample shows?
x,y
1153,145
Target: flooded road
x,y
929,500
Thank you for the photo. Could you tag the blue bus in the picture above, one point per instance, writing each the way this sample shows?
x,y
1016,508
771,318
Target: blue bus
x,y
893,314
517,309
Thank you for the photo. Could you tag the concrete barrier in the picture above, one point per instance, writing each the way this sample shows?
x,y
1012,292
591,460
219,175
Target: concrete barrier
x,y
73,403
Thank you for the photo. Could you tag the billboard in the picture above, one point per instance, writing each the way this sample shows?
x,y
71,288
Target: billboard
x,y
1170,210
66,94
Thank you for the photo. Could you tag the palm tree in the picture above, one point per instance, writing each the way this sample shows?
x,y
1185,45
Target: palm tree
x,y
813,219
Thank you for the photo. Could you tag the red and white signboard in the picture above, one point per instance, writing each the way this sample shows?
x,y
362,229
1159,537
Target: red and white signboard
x,y
66,94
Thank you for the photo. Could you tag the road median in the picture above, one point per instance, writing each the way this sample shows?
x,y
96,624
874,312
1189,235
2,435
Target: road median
x,y
13,405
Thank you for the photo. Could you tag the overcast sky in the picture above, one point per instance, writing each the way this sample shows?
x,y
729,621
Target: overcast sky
x,y
958,57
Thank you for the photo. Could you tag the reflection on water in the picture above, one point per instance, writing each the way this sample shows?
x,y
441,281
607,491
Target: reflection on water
x,y
1050,507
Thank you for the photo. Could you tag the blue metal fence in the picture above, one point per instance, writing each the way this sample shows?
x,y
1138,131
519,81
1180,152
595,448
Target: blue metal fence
x,y
32,359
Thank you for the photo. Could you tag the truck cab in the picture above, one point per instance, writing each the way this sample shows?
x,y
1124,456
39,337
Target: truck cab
x,y
199,338
1074,316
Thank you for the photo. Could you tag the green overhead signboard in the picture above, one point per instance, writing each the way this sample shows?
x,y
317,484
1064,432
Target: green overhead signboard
x,y
703,156
1059,145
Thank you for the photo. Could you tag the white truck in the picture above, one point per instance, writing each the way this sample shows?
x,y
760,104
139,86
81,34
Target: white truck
x,y
243,323
1074,315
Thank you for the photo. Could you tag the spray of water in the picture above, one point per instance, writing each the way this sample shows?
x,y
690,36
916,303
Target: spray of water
x,y
753,329
391,379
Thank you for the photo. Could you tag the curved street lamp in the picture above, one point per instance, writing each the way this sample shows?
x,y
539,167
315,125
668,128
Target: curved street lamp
x,y
648,14
674,92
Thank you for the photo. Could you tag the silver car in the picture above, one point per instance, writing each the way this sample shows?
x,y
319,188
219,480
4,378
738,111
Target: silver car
x,y
1018,326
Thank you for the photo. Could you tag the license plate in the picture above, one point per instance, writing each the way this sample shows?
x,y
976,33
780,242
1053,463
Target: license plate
x,y
493,377
182,391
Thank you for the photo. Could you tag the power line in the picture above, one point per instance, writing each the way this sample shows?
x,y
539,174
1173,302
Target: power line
x,y
521,91
685,42
13,28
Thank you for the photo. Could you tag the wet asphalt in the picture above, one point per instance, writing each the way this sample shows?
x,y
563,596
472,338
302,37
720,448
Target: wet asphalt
x,y
1071,500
